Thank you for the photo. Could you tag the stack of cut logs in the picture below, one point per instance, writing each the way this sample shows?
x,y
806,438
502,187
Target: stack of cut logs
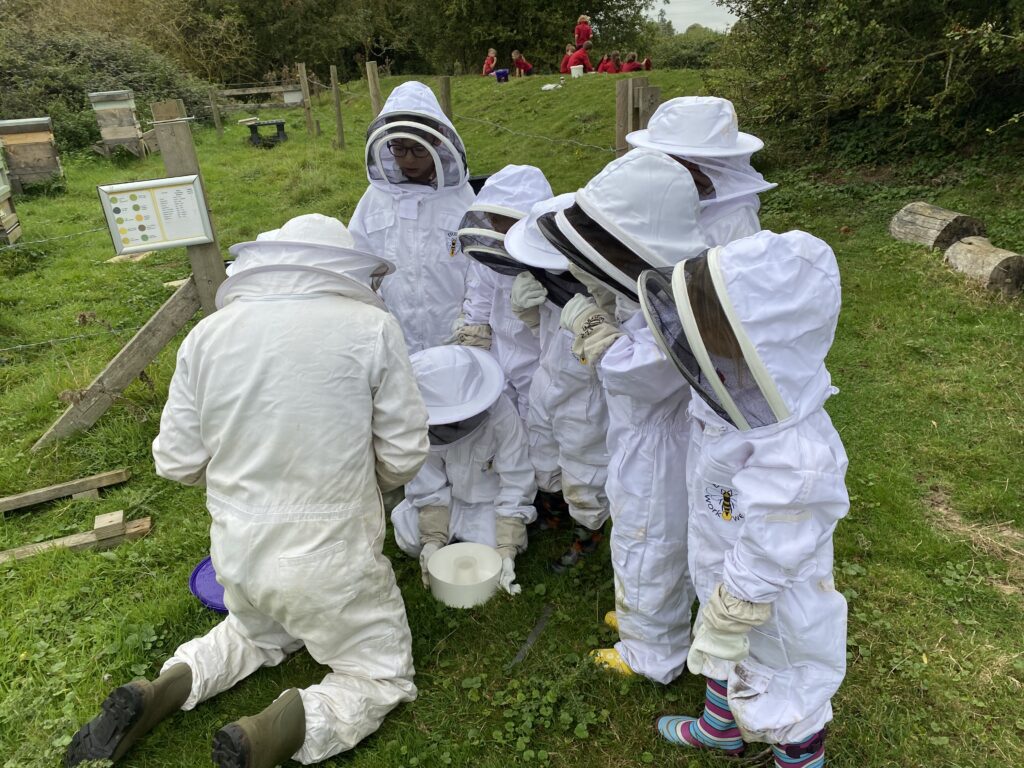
x,y
962,239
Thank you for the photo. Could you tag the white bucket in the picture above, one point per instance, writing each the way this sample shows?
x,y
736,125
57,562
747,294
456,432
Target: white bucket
x,y
576,70
464,575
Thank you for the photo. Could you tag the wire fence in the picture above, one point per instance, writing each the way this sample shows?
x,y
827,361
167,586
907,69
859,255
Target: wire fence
x,y
571,142
70,338
23,243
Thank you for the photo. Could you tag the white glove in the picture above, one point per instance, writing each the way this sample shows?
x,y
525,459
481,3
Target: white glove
x,y
604,297
725,625
428,549
593,330
507,578
474,336
527,296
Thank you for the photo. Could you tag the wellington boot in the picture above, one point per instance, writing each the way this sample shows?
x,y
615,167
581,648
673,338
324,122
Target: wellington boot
x,y
609,658
128,714
611,620
263,741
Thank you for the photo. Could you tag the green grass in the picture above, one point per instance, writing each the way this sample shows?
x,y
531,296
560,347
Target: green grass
x,y
930,412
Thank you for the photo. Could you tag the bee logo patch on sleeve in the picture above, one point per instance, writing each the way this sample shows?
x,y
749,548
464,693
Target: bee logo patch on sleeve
x,y
721,502
453,243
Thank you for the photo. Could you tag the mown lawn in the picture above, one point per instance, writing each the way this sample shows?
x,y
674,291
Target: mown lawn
x,y
931,410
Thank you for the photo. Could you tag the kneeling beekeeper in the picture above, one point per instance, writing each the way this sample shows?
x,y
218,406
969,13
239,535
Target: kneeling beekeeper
x,y
294,404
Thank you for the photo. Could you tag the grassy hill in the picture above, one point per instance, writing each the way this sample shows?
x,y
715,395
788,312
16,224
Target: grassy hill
x,y
931,557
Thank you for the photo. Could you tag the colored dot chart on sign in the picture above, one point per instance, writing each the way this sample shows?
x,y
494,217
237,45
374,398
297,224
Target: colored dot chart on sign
x,y
136,217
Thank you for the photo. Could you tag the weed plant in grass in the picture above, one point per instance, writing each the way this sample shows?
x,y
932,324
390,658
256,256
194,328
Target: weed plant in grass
x,y
930,408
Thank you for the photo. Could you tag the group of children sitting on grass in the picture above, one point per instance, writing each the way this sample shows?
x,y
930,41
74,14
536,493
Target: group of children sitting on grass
x,y
638,350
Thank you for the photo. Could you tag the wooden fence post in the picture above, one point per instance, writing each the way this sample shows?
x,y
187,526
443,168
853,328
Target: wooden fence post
x,y
216,113
650,98
307,105
636,85
446,96
622,88
339,140
179,153
373,79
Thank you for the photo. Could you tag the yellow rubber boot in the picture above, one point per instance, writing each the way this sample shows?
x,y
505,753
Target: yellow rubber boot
x,y
609,658
611,619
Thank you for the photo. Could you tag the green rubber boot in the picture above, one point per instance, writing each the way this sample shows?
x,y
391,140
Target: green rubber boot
x,y
263,741
128,714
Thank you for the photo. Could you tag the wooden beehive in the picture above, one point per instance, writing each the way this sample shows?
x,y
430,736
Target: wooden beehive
x,y
10,228
119,125
30,152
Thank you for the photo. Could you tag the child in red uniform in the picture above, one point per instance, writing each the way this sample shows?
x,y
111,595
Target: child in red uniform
x,y
570,49
490,62
583,31
631,65
612,63
521,65
581,57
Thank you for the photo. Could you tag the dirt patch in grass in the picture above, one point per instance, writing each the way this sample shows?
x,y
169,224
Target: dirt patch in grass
x,y
999,540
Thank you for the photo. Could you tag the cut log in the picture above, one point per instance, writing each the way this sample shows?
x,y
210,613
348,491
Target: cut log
x,y
933,226
29,498
995,268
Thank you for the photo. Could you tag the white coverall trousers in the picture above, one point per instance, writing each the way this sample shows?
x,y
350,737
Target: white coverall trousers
x,y
317,579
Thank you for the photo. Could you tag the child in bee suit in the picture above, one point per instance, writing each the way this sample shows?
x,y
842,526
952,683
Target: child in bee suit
x,y
641,211
490,322
293,405
567,421
419,190
477,483
701,133
749,325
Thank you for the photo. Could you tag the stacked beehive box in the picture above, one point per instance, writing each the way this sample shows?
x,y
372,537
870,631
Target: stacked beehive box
x,y
30,152
10,228
119,126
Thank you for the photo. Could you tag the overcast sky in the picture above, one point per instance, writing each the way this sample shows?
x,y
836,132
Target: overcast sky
x,y
683,13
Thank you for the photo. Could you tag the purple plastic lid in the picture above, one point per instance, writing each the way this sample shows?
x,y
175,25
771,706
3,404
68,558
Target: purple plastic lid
x,y
204,585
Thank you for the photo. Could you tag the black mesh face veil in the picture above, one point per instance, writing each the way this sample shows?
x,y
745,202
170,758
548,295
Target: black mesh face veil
x,y
446,434
561,286
549,228
482,243
430,140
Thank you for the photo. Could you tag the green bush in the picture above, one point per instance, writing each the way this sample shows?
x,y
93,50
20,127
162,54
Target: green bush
x,y
692,49
50,74
877,79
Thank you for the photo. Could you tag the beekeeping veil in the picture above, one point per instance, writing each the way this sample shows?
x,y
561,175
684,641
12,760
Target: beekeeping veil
x,y
412,116
749,324
640,211
534,253
704,131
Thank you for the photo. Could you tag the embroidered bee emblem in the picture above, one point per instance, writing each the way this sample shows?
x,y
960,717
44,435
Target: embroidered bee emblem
x,y
721,502
453,243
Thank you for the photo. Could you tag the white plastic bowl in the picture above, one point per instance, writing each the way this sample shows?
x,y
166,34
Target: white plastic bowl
x,y
464,575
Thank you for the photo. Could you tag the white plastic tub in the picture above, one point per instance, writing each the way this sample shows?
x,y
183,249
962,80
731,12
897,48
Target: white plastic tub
x,y
464,575
576,70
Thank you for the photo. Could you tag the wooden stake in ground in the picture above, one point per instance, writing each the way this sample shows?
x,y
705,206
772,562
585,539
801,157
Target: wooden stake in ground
x,y
622,88
446,96
109,530
649,99
373,80
339,141
215,110
307,105
61,490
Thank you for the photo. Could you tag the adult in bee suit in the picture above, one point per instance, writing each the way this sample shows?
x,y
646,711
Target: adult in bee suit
x,y
490,323
639,212
748,326
477,484
294,405
419,190
567,423
702,134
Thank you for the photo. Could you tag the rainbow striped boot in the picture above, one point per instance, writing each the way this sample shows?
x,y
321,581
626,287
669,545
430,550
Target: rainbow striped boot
x,y
809,753
715,729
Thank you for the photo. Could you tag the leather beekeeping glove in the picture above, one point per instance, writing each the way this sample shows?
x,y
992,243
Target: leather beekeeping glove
x,y
605,297
510,537
474,336
725,626
527,296
433,535
592,329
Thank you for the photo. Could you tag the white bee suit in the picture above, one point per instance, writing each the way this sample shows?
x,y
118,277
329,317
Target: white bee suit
x,y
482,476
416,225
510,192
785,488
291,404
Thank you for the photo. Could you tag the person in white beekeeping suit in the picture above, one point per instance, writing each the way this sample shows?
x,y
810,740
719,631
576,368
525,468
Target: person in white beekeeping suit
x,y
294,405
477,484
702,133
419,191
641,211
489,321
567,423
749,325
